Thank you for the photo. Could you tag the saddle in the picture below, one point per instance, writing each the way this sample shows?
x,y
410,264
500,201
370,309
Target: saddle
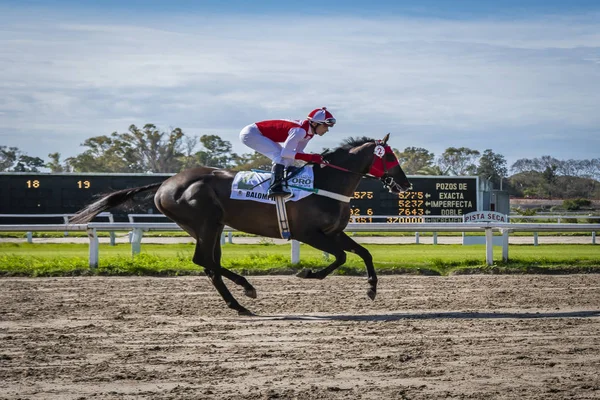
x,y
253,185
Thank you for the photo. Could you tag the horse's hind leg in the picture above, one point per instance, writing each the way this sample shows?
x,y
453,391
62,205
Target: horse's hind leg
x,y
235,278
231,302
207,254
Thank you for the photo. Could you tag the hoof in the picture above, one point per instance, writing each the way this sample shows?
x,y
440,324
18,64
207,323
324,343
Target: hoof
x,y
305,273
246,313
371,293
250,293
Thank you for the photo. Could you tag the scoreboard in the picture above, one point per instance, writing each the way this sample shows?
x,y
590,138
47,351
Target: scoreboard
x,y
45,193
430,196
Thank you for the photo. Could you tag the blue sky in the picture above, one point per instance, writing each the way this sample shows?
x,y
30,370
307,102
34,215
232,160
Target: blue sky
x,y
519,77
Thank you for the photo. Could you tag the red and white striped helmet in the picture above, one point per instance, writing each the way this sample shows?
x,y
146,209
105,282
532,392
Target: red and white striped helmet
x,y
321,116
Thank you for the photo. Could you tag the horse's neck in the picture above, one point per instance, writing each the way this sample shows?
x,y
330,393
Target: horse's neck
x,y
337,181
342,182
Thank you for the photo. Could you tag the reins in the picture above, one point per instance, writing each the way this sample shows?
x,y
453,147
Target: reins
x,y
326,164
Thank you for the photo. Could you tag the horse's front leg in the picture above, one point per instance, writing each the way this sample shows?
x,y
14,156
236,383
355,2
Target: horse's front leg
x,y
348,244
337,245
325,243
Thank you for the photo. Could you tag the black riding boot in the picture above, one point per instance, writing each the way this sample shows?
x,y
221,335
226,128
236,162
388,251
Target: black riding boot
x,y
276,189
289,171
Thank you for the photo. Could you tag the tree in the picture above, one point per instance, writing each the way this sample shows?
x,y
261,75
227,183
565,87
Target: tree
x,y
413,159
155,151
459,161
55,165
216,153
29,164
492,167
254,160
188,159
8,157
431,170
138,150
105,154
550,178
523,165
14,160
525,184
593,169
536,164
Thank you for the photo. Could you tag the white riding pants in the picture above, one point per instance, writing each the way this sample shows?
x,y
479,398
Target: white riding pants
x,y
252,138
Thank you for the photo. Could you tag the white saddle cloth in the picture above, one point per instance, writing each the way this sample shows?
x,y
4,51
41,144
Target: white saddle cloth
x,y
247,185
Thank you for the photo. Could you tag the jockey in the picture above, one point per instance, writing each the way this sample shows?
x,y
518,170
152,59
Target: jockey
x,y
265,137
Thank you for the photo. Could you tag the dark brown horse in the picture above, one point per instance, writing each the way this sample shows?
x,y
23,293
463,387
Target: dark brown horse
x,y
199,201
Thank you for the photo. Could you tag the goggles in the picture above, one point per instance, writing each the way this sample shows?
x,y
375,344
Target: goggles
x,y
329,122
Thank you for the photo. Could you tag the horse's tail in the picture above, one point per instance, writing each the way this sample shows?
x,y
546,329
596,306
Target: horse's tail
x,y
109,201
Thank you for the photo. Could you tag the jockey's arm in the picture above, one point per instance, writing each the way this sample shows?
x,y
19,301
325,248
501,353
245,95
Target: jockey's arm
x,y
295,143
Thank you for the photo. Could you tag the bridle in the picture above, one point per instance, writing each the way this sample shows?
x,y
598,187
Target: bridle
x,y
379,167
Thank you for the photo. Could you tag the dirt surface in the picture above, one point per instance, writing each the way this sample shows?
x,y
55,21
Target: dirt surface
x,y
475,337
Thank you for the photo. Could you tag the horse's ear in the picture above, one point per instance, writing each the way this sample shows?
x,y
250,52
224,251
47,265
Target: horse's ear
x,y
386,138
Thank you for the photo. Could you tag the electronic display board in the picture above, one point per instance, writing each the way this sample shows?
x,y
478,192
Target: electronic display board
x,y
441,196
45,193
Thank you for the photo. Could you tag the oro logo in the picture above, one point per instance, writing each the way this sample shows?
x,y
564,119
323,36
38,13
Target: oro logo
x,y
301,181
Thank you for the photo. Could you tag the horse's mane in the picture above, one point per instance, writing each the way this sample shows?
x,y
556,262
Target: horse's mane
x,y
346,145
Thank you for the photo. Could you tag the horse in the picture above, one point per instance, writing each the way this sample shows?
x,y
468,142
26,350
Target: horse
x,y
198,200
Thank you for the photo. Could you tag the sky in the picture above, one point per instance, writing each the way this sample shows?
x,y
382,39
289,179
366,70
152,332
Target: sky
x,y
521,78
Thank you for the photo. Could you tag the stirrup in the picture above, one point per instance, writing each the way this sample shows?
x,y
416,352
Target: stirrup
x,y
277,191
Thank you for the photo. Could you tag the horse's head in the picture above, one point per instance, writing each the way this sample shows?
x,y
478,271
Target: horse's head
x,y
372,158
387,168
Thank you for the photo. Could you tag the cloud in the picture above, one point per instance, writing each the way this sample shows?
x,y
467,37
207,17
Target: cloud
x,y
521,87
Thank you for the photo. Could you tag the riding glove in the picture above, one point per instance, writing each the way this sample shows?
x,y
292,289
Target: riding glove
x,y
310,158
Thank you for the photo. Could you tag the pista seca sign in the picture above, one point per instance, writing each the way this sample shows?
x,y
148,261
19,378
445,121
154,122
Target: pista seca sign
x,y
485,216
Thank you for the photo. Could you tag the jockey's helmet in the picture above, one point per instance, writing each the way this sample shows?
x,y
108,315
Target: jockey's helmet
x,y
321,116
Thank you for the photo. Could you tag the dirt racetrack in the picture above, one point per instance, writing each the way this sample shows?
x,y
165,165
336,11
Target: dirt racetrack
x,y
475,337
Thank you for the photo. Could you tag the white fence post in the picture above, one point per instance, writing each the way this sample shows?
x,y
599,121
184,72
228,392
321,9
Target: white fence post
x,y
295,252
66,220
136,241
94,256
489,246
112,233
505,233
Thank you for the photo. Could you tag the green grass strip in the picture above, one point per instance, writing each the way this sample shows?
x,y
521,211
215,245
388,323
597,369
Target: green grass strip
x,y
24,259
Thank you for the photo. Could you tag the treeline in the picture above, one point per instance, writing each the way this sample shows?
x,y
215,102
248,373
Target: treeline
x,y
150,150
137,151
